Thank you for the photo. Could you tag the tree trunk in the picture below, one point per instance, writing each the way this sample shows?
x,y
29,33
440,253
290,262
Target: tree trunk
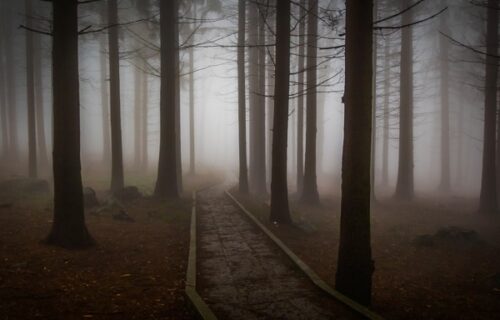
x,y
280,211
10,64
43,157
192,159
310,192
166,183
138,80
257,172
3,98
117,180
242,130
404,187
270,93
68,227
488,197
355,265
144,118
106,137
300,102
445,105
30,95
178,143
386,115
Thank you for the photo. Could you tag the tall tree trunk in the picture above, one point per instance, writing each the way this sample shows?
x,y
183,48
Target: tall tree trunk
x,y
144,118
43,157
166,183
386,115
117,179
270,91
300,102
404,187
374,105
30,95
355,265
68,227
445,105
280,211
11,87
106,134
242,130
488,197
138,81
310,191
178,115
3,98
192,159
257,172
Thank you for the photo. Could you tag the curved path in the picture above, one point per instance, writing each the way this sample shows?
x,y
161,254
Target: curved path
x,y
243,275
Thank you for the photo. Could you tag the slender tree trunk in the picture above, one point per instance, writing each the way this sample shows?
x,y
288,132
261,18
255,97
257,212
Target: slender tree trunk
x,y
387,92
68,227
488,197
280,211
138,81
445,106
374,102
242,130
30,95
117,180
10,64
355,265
144,118
300,102
106,135
257,172
270,93
43,157
192,158
3,98
404,187
178,115
310,192
166,183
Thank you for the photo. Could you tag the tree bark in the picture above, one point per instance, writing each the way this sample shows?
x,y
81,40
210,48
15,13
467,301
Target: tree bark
x,y
445,183
106,135
10,64
30,95
300,102
488,197
166,183
242,130
43,157
257,172
310,193
280,211
144,118
117,180
386,115
355,266
3,98
404,187
138,81
68,227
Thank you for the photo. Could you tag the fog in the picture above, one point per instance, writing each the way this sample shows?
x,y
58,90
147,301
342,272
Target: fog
x,y
432,164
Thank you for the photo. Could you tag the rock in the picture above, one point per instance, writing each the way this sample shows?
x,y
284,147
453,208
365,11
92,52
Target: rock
x,y
128,193
25,185
123,216
90,198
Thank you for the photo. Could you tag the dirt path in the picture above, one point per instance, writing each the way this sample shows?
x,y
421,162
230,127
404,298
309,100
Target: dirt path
x,y
243,275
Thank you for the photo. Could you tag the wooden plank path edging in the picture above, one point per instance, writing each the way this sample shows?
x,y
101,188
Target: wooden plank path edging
x,y
360,309
201,307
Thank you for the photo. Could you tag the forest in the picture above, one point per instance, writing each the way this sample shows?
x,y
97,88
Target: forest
x,y
249,159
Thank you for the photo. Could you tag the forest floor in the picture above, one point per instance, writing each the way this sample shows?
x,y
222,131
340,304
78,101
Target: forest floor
x,y
419,273
136,270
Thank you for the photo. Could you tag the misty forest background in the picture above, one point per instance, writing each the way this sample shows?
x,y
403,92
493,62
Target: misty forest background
x,y
375,106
